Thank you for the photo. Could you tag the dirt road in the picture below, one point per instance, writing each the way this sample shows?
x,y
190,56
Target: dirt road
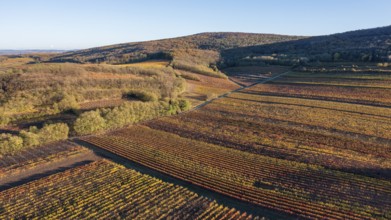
x,y
237,90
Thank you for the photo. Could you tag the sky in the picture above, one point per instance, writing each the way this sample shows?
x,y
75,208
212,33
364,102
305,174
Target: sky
x,y
78,24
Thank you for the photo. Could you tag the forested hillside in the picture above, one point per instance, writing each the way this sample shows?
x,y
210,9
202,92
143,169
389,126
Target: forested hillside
x,y
360,46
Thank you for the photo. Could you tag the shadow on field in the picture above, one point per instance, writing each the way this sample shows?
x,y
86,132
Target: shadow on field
x,y
6,131
384,174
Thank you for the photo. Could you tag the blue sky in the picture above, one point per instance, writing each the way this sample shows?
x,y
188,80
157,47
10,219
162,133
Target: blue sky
x,y
76,24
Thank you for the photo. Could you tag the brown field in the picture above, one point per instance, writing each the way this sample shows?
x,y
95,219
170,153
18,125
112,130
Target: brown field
x,y
149,63
206,87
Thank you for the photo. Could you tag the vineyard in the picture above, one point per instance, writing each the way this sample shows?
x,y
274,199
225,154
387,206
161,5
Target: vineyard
x,y
368,89
214,125
349,137
304,190
292,152
38,155
103,190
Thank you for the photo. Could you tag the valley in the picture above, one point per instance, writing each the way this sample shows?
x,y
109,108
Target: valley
x,y
208,126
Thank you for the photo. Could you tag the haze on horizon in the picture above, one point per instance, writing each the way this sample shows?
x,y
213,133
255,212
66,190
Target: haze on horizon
x,y
75,24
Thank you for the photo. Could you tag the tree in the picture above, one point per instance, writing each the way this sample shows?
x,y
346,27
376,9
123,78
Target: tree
x,y
118,117
29,138
53,132
142,96
68,102
10,144
89,122
184,105
4,120
336,56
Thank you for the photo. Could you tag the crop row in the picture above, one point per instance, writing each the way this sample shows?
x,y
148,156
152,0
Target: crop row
x,y
381,77
299,189
38,154
330,119
105,190
235,128
319,104
345,82
366,96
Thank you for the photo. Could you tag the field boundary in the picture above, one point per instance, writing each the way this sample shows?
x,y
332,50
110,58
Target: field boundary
x,y
237,90
47,169
245,206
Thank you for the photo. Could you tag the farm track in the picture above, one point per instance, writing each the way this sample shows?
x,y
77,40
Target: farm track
x,y
238,90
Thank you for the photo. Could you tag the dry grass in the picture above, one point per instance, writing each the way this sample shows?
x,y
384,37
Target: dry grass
x,y
199,91
103,75
14,62
101,104
147,64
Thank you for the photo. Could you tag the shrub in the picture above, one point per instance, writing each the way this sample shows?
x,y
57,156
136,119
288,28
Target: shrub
x,y
53,132
190,77
142,96
10,144
16,143
49,133
4,120
184,105
176,106
128,113
119,117
29,138
89,122
68,102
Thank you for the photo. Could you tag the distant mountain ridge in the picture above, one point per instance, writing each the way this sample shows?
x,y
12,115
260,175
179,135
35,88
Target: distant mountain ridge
x,y
362,45
20,52
129,52
247,48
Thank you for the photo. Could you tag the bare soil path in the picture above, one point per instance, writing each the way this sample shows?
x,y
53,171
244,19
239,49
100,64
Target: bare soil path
x,y
239,89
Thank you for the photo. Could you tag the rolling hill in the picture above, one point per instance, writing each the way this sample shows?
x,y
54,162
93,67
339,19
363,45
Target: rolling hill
x,y
20,52
230,49
361,45
131,52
